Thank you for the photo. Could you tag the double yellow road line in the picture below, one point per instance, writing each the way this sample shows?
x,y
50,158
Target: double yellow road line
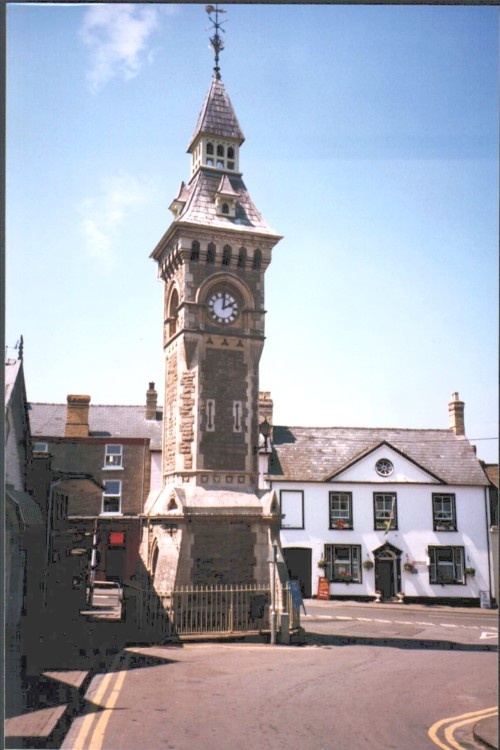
x,y
91,734
447,727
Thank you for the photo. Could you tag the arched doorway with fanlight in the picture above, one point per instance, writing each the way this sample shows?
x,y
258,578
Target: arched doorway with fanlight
x,y
387,570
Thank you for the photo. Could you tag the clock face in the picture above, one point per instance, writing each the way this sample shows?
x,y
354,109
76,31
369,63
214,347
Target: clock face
x,y
223,307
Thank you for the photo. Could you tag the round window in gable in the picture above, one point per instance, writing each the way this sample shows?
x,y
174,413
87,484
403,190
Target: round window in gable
x,y
384,467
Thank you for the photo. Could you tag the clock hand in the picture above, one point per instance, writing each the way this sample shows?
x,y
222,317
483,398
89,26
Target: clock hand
x,y
224,296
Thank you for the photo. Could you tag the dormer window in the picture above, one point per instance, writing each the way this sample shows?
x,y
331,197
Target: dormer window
x,y
225,208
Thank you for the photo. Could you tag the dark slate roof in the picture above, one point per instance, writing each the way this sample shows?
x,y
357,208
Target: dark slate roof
x,y
200,205
315,454
49,420
217,115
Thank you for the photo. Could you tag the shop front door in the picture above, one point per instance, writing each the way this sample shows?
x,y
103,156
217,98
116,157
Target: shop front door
x,y
387,570
384,578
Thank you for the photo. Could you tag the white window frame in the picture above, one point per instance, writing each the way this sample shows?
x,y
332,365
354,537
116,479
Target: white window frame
x,y
340,518
40,447
443,519
113,459
112,495
343,569
292,506
385,518
447,565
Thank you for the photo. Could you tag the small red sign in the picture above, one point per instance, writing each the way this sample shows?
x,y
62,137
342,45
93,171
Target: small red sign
x,y
116,537
323,588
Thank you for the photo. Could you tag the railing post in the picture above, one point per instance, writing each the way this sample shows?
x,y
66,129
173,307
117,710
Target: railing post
x,y
231,613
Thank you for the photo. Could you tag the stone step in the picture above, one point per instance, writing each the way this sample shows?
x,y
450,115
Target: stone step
x,y
44,728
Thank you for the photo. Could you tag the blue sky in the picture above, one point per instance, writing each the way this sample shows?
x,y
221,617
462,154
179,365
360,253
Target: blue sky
x,y
371,146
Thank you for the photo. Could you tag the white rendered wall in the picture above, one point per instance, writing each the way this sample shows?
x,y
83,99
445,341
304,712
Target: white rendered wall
x,y
413,536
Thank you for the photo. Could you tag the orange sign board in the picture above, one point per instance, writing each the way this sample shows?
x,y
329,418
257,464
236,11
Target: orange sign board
x,y
323,588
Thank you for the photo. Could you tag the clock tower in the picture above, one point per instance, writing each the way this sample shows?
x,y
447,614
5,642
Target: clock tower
x,y
212,260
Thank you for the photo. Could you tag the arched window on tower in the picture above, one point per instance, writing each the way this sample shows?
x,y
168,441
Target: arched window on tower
x,y
226,255
211,253
173,312
210,148
230,152
220,150
195,251
225,208
242,257
257,260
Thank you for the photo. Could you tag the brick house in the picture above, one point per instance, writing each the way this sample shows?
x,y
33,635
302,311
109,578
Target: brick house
x,y
119,447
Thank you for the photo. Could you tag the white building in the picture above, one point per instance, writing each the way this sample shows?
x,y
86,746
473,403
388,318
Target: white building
x,y
393,510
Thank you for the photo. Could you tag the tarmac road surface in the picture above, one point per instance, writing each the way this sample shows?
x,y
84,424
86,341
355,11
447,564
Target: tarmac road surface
x,y
373,689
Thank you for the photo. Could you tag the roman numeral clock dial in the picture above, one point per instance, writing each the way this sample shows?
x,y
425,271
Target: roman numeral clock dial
x,y
222,307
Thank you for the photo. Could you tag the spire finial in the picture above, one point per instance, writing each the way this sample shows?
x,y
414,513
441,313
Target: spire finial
x,y
216,41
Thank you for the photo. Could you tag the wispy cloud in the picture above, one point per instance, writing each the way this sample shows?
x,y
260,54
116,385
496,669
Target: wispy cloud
x,y
118,37
104,214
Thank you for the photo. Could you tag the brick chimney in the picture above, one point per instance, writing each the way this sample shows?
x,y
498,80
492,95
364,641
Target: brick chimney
x,y
265,407
77,417
151,402
456,414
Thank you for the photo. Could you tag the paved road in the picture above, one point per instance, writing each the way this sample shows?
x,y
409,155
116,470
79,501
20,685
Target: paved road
x,y
388,686
400,621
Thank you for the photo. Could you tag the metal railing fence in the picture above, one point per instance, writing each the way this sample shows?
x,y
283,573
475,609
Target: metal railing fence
x,y
224,609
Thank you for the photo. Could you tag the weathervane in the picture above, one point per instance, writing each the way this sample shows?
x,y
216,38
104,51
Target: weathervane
x,y
216,42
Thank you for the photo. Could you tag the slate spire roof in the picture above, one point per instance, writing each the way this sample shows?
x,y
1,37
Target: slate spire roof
x,y
217,116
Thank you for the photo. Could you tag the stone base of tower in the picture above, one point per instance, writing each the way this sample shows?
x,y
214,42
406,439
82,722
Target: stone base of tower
x,y
198,536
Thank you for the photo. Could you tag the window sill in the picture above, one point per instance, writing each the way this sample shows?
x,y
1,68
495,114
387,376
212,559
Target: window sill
x,y
445,530
341,528
111,513
112,468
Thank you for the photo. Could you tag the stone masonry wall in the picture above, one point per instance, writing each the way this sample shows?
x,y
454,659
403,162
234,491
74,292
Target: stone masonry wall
x,y
187,418
169,447
224,380
223,552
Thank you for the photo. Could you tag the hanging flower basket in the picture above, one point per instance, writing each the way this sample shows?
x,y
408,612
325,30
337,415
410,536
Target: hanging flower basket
x,y
409,567
470,572
322,564
368,564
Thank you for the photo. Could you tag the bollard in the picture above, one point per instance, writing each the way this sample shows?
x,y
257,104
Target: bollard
x,y
285,629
